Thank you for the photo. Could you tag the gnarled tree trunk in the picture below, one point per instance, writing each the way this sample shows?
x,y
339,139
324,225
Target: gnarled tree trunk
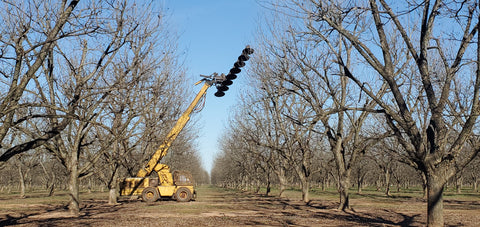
x,y
435,185
343,185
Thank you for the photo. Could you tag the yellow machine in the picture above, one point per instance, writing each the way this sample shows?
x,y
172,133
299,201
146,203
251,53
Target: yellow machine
x,y
180,184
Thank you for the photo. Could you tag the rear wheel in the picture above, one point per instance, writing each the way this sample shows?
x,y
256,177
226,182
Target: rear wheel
x,y
183,195
150,194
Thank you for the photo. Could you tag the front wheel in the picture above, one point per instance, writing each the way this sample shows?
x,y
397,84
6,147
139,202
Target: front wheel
x,y
183,195
150,194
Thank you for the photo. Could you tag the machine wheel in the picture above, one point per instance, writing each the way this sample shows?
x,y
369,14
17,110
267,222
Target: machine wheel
x,y
183,195
150,194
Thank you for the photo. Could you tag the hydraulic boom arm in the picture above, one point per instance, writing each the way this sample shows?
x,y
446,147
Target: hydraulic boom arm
x,y
221,82
172,135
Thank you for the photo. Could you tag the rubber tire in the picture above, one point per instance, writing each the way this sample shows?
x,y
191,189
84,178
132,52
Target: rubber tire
x,y
183,195
150,194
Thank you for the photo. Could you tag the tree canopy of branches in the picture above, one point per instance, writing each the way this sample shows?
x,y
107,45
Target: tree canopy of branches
x,y
357,64
30,31
96,83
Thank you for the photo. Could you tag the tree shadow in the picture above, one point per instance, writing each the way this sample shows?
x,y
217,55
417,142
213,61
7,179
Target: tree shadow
x,y
368,219
384,197
9,220
463,205
87,212
324,210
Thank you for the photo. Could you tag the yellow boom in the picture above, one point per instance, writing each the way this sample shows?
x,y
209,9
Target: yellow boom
x,y
172,135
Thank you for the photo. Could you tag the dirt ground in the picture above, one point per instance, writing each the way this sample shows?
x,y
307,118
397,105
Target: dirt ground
x,y
218,207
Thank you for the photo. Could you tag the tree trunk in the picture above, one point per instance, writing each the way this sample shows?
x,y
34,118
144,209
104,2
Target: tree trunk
x,y
378,183
22,182
245,184
282,179
73,186
458,184
112,196
89,186
435,187
268,187
303,175
359,185
50,184
257,186
324,182
424,185
344,183
305,188
51,189
112,188
387,182
306,192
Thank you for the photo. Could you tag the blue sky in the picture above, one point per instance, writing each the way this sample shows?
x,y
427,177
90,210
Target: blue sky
x,y
213,33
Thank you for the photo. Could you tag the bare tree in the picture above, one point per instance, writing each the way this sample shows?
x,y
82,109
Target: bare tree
x,y
305,70
472,173
270,133
144,75
29,33
231,166
24,164
410,47
50,169
259,122
89,64
385,162
363,171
